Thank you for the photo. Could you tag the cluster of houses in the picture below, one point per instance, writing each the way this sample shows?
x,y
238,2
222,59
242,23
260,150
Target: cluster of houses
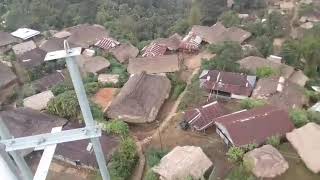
x,y
142,96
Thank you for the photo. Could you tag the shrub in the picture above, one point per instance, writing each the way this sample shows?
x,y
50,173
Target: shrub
x,y
274,140
61,88
235,154
91,87
150,175
153,158
299,117
314,116
240,173
65,105
28,90
250,147
124,160
251,103
313,96
230,18
97,112
265,72
117,127
177,85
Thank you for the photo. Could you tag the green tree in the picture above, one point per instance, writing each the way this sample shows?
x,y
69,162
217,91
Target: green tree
x,y
265,72
65,105
195,13
235,154
299,117
230,18
265,45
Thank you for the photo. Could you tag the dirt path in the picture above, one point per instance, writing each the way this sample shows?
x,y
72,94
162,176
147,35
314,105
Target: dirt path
x,y
138,173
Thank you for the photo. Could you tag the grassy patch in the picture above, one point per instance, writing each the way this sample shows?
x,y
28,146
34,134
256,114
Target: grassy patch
x,y
153,158
194,95
251,103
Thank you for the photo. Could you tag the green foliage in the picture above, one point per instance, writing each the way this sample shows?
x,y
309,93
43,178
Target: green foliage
x,y
44,69
154,156
65,105
177,85
299,117
313,96
264,44
117,127
307,9
227,54
195,13
265,72
124,160
274,24
28,90
250,147
241,5
230,18
251,103
235,154
61,88
150,175
314,116
240,173
194,95
92,87
292,53
97,112
118,68
274,140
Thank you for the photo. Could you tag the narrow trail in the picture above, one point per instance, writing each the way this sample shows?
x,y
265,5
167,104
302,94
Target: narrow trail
x,y
139,170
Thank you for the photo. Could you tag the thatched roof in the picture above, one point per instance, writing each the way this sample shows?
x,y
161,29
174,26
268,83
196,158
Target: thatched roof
x,y
182,162
97,64
7,39
287,97
38,101
27,122
219,33
47,82
140,99
54,44
266,162
299,78
78,150
172,42
252,63
306,141
6,76
24,47
32,58
86,35
157,64
124,52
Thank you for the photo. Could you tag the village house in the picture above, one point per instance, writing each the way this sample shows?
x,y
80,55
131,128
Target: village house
x,y
140,99
54,44
6,41
80,153
305,141
85,35
253,63
154,64
23,122
107,43
219,33
280,92
266,162
25,33
172,43
23,47
202,118
299,78
124,52
31,59
190,43
183,162
8,81
227,84
38,101
48,81
95,65
253,126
